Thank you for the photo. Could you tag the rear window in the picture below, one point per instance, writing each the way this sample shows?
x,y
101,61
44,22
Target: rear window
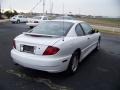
x,y
53,28
36,17
20,16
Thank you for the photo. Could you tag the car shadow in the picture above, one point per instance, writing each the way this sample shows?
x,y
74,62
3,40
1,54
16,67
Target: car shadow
x,y
95,69
37,73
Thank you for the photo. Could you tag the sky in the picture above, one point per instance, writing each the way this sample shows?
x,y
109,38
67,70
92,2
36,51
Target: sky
x,y
109,8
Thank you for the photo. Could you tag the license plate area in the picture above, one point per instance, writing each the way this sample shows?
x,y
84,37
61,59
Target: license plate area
x,y
28,49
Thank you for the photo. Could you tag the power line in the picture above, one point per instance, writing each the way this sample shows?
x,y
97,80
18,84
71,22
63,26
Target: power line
x,y
35,5
38,4
43,7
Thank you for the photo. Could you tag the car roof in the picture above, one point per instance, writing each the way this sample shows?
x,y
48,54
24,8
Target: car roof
x,y
72,21
40,16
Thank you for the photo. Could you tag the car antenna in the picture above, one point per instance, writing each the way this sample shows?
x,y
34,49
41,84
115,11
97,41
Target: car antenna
x,y
63,22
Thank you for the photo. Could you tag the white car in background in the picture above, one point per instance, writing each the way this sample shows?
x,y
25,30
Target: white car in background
x,y
32,22
55,46
18,19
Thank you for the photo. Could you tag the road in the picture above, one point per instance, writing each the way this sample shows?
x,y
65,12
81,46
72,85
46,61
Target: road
x,y
99,71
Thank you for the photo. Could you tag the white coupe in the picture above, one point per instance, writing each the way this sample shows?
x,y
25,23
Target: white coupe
x,y
32,22
18,19
55,46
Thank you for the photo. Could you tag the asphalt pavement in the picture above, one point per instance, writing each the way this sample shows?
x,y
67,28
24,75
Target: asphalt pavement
x,y
99,71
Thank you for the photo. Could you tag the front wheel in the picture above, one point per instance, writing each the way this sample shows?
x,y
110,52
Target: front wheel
x,y
74,63
98,45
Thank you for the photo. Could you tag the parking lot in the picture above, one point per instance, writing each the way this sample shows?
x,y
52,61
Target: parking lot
x,y
99,71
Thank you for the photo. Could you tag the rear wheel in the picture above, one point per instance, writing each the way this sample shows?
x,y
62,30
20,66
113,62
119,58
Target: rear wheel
x,y
74,63
18,21
12,22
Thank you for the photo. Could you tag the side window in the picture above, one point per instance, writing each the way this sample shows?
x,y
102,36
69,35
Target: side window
x,y
20,16
45,18
79,30
39,18
86,27
24,17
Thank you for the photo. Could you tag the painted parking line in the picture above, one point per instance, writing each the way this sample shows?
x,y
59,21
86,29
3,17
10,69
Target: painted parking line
x,y
46,82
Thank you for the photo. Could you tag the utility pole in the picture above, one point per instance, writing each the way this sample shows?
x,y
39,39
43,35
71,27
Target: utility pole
x,y
51,7
43,7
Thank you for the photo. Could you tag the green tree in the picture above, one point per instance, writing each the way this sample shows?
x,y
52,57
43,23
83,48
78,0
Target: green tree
x,y
10,13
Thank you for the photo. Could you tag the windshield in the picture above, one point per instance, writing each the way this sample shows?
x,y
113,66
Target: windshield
x,y
52,28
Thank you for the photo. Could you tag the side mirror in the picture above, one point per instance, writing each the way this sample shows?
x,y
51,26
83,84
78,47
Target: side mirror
x,y
97,31
92,31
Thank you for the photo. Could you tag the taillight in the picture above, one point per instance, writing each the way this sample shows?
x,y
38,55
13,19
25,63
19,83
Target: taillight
x,y
51,50
14,45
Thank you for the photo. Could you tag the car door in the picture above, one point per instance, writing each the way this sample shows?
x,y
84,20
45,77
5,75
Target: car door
x,y
92,39
24,18
82,40
19,18
45,18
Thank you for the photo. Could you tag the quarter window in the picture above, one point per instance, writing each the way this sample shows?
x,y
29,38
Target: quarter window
x,y
79,30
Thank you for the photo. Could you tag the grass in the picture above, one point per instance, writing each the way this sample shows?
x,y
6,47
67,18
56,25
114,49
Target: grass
x,y
110,32
112,22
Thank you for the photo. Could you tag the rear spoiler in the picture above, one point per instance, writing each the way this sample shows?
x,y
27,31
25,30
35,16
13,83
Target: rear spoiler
x,y
40,35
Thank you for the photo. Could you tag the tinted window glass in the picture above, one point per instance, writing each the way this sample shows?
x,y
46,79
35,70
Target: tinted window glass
x,y
44,18
79,31
87,28
20,16
52,28
36,17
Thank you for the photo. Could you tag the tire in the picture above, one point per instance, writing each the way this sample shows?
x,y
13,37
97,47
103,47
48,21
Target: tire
x,y
16,64
31,27
18,21
74,63
13,22
98,45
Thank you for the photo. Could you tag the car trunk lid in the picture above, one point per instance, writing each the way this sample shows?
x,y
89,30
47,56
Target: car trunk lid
x,y
34,43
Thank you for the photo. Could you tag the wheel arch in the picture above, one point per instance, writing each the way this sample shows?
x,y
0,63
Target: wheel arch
x,y
78,50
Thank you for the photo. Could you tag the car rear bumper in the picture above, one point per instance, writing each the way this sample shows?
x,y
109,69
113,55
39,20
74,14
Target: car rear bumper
x,y
43,63
13,20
